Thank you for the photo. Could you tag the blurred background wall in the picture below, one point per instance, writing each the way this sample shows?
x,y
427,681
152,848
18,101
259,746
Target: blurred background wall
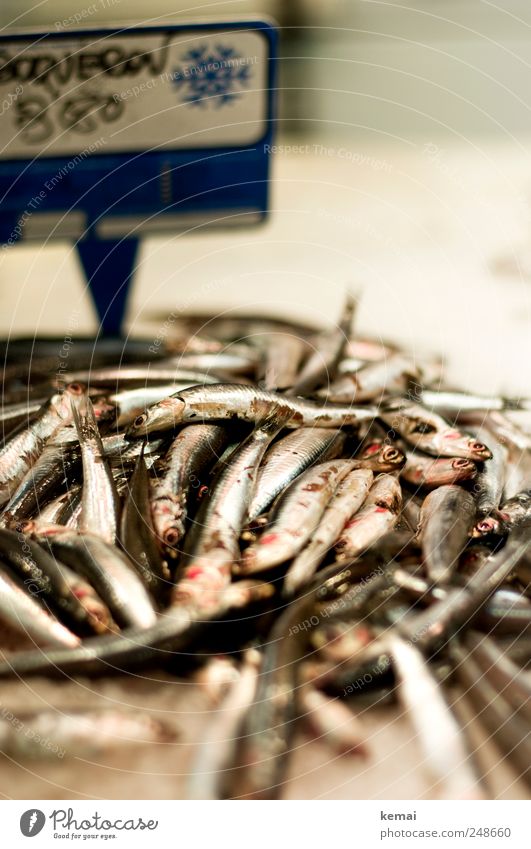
x,y
418,68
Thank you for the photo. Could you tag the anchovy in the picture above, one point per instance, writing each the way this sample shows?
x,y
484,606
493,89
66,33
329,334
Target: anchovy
x,y
214,549
21,612
430,433
379,456
329,347
346,501
378,516
288,458
426,471
213,756
455,403
137,535
191,453
281,355
233,401
132,402
446,518
445,755
374,381
21,452
491,479
110,572
296,517
99,500
511,514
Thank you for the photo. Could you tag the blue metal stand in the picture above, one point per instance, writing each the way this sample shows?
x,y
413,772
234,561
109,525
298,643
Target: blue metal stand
x,y
109,266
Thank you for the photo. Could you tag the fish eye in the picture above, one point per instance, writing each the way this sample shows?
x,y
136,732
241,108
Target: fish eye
x,y
171,536
423,427
140,420
476,446
76,388
461,463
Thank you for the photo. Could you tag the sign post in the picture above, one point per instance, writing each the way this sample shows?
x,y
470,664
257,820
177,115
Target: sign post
x,y
111,134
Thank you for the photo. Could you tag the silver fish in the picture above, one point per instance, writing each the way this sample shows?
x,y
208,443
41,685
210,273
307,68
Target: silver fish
x,y
25,615
329,347
21,451
446,519
191,453
99,500
374,381
230,401
214,547
296,517
378,516
288,458
430,433
346,501
490,481
426,471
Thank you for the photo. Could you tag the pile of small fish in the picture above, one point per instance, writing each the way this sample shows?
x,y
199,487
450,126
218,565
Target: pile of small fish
x,y
301,521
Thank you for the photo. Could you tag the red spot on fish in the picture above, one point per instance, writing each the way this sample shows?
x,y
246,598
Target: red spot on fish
x,y
194,572
373,449
380,510
452,434
269,538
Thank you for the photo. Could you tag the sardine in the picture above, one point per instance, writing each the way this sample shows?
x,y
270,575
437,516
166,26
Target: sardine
x,y
288,458
421,470
224,401
346,501
296,517
378,516
26,616
189,456
446,519
99,500
430,433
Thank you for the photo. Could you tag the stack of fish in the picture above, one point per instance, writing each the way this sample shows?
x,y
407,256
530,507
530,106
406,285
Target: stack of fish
x,y
315,512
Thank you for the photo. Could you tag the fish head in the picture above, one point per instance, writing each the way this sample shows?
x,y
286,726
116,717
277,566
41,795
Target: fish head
x,y
464,467
161,416
488,525
455,442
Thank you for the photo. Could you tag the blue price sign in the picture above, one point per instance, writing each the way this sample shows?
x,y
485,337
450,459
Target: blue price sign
x,y
110,134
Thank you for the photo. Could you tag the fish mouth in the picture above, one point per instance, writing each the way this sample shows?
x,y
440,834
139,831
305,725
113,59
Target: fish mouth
x,y
485,526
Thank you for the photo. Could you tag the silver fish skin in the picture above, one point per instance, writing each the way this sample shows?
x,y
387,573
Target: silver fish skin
x,y
446,520
329,347
430,433
193,450
26,616
132,402
99,501
438,733
20,453
374,381
456,403
490,481
229,401
288,458
378,516
346,501
421,470
296,516
118,377
214,544
110,572
281,355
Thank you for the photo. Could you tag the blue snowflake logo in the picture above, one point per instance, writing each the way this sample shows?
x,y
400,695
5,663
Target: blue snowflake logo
x,y
215,76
